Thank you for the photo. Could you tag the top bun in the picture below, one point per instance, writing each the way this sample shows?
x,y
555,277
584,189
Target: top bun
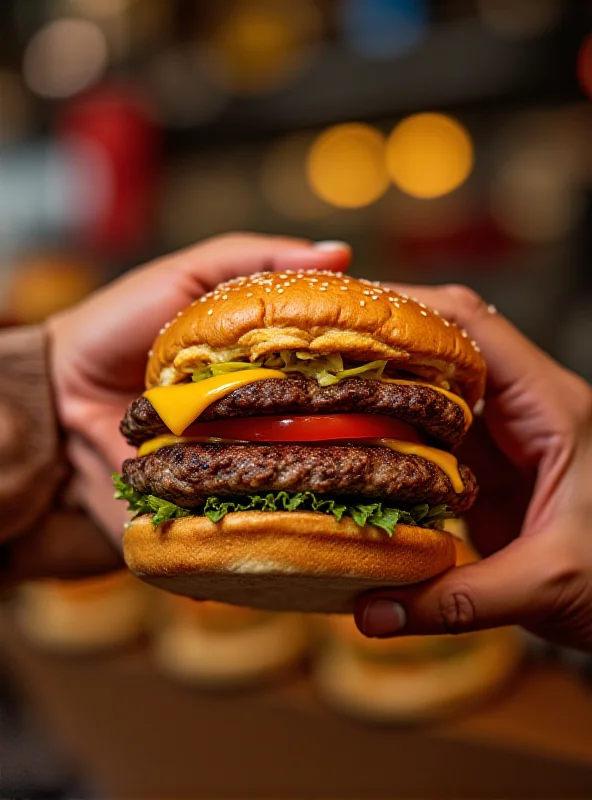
x,y
320,313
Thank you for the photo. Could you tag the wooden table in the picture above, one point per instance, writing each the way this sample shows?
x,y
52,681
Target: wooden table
x,y
137,735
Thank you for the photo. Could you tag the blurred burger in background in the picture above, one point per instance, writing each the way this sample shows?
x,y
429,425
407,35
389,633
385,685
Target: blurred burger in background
x,y
220,645
83,616
413,679
43,284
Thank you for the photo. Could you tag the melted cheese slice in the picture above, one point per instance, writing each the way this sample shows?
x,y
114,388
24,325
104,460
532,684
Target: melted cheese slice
x,y
450,395
179,406
445,461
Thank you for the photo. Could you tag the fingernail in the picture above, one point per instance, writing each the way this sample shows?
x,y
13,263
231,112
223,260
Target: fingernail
x,y
331,245
383,618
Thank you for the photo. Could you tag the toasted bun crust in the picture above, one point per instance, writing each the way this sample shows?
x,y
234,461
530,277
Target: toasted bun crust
x,y
284,560
422,690
318,313
193,654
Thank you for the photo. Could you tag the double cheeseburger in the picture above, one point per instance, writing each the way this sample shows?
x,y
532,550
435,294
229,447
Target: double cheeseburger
x,y
295,443
214,644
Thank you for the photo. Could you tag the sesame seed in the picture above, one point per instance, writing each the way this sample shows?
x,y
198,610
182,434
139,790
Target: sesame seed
x,y
162,330
150,353
423,313
437,313
325,283
249,294
366,292
180,313
446,323
224,297
464,334
202,299
362,303
280,291
322,288
422,305
375,297
477,349
210,312
268,290
346,280
491,309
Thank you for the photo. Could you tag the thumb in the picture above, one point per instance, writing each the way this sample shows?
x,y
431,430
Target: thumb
x,y
522,584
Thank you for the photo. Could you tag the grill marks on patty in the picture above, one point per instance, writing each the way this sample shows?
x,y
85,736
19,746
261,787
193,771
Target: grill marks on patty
x,y
186,474
421,406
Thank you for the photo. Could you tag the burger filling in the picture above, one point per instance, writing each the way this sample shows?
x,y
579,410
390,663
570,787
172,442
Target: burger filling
x,y
354,444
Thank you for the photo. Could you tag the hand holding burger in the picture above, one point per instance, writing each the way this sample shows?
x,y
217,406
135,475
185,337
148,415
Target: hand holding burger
x,y
532,451
539,415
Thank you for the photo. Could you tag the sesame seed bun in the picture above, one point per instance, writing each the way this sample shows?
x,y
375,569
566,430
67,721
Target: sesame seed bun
x,y
284,560
318,313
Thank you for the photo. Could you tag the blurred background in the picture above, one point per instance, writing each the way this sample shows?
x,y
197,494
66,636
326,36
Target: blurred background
x,y
444,139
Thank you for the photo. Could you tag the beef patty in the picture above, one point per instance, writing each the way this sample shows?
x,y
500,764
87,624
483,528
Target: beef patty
x,y
186,474
426,409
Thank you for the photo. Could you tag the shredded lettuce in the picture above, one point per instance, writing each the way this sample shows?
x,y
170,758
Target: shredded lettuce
x,y
326,370
222,369
215,508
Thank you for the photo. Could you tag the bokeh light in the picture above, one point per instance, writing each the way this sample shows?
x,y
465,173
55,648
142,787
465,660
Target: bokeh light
x,y
65,57
284,184
346,165
519,19
429,155
535,199
44,284
381,29
585,65
262,45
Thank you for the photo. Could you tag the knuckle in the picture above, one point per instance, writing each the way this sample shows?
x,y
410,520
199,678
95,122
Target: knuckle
x,y
469,303
457,610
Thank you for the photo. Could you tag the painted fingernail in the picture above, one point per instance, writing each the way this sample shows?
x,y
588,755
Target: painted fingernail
x,y
383,618
330,246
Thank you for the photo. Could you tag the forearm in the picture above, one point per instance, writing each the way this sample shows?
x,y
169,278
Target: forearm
x,y
32,466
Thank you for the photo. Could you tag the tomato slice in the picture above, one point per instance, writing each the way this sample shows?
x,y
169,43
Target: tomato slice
x,y
307,428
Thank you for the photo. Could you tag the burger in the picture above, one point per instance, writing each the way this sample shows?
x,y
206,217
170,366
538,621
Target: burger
x,y
85,615
295,443
218,645
412,679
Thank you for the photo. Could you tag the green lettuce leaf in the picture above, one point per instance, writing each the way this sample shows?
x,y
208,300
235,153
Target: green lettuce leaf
x,y
215,508
163,510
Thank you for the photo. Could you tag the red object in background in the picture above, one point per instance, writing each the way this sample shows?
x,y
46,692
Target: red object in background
x,y
115,126
585,65
480,241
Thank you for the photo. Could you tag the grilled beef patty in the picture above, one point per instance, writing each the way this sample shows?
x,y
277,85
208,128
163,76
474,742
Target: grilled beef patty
x,y
426,409
186,474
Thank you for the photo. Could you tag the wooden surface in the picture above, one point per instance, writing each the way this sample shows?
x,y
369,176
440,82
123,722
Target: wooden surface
x,y
137,735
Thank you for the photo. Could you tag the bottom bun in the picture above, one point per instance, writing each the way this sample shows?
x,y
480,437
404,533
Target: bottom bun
x,y
421,691
219,658
65,622
282,560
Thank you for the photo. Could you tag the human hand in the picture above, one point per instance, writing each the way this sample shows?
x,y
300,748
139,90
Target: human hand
x,y
99,348
532,453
